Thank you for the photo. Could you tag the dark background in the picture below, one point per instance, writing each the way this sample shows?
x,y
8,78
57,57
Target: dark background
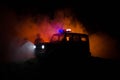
x,y
97,16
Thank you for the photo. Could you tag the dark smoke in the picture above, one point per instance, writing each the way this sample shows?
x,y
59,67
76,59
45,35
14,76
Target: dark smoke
x,y
103,45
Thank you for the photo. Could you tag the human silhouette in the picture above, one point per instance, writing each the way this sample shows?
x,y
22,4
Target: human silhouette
x,y
38,39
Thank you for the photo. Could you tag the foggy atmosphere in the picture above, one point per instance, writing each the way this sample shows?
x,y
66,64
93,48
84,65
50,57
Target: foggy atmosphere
x,y
22,21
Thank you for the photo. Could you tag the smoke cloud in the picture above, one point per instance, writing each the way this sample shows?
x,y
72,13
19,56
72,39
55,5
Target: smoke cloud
x,y
104,46
14,28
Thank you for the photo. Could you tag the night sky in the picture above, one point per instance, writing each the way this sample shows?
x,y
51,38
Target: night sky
x,y
97,17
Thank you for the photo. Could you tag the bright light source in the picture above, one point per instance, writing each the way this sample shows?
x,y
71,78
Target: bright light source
x,y
67,38
61,31
43,46
34,46
83,39
68,29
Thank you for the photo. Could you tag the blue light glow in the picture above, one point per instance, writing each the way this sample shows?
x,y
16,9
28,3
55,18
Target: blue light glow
x,y
61,31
